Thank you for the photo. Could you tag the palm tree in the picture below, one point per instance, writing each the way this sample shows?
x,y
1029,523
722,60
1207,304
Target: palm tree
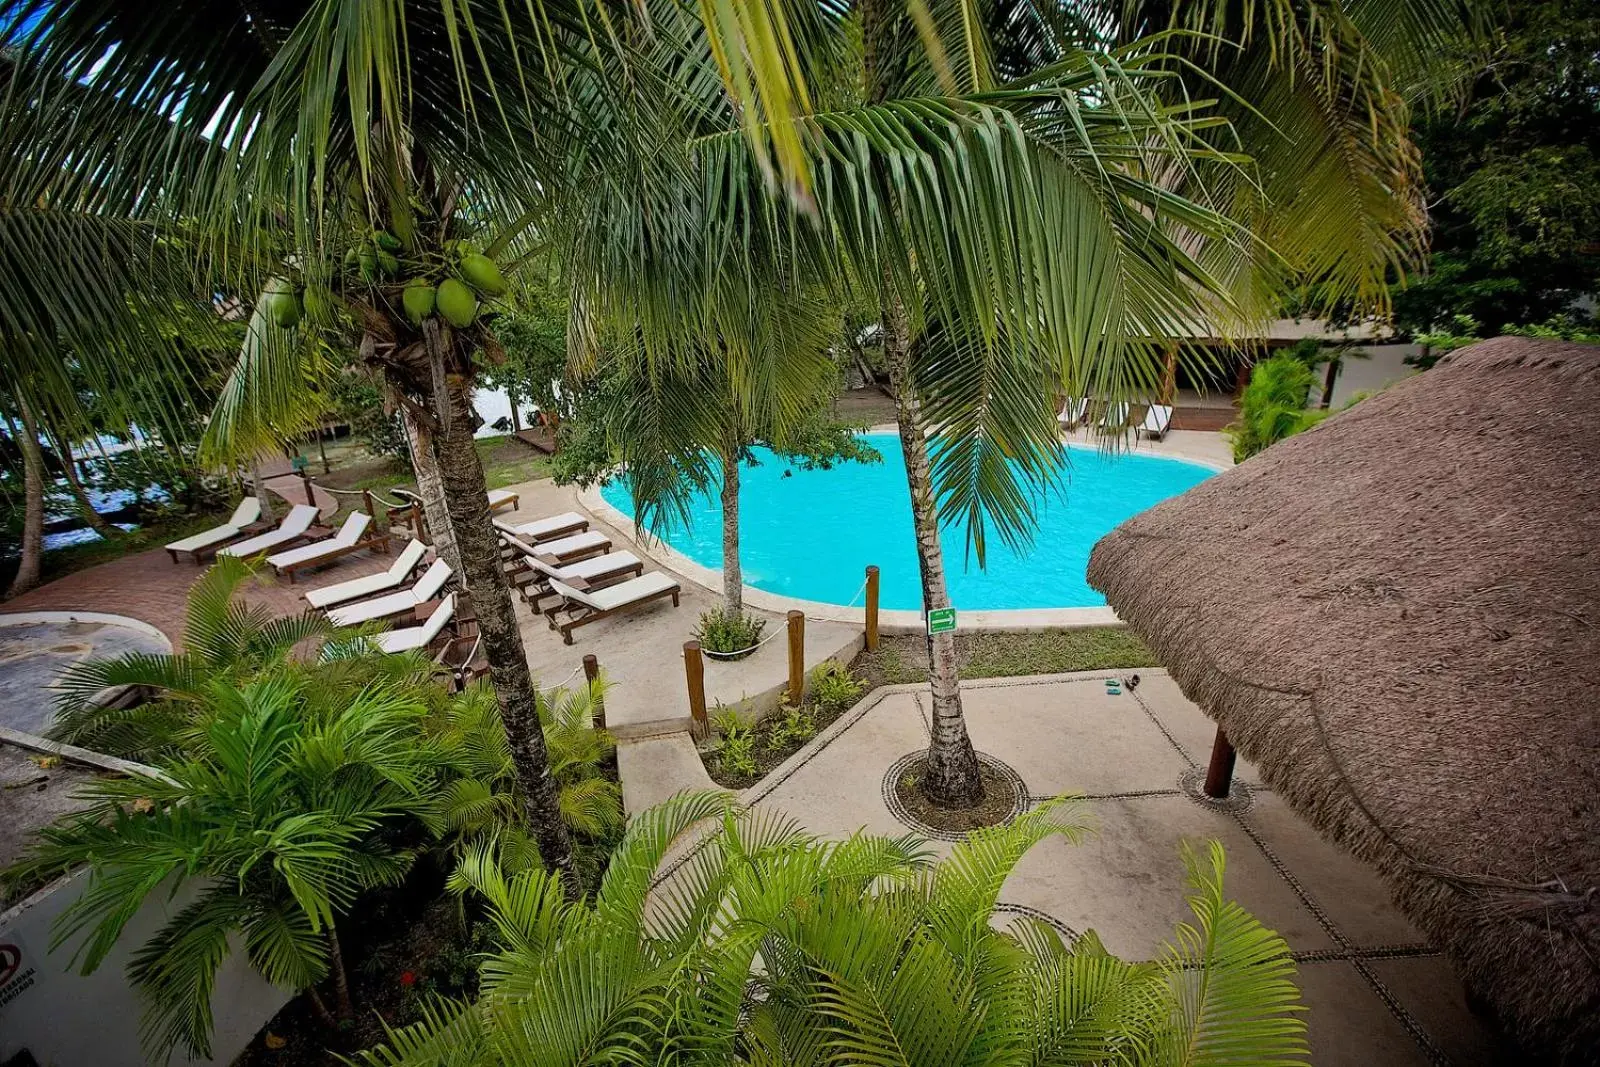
x,y
282,810
225,640
769,946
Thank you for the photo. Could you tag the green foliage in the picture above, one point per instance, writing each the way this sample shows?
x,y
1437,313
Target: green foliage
x,y
1514,174
832,686
723,631
769,945
481,802
533,358
795,726
358,401
736,757
1273,406
282,809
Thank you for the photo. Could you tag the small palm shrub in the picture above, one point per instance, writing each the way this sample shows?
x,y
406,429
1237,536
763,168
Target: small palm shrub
x,y
283,809
724,631
223,638
1273,406
833,687
795,726
480,801
771,946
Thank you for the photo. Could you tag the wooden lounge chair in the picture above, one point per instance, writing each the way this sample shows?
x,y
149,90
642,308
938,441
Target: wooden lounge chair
x,y
567,522
413,638
295,527
463,658
430,585
245,516
585,605
1072,413
537,569
1157,421
503,498
562,549
353,536
370,584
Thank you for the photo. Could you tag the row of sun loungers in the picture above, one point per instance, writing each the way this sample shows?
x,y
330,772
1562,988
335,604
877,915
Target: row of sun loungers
x,y
1113,418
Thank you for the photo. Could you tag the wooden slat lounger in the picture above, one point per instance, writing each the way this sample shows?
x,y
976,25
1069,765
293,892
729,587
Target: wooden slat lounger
x,y
428,586
245,520
353,536
585,605
297,526
370,584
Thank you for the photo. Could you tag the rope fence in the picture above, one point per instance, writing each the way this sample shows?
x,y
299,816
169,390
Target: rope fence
x,y
740,652
563,682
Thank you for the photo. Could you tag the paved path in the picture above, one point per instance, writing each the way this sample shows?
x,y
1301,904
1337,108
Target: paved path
x,y
1377,992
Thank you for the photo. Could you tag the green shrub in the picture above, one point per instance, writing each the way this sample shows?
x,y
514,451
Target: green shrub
x,y
737,755
833,686
1273,406
797,726
723,631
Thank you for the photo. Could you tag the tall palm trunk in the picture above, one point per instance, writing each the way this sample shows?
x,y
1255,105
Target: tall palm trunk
x,y
952,776
732,572
431,488
80,496
32,561
467,501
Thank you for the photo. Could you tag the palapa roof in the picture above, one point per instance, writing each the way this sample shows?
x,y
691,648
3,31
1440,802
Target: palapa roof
x,y
1396,616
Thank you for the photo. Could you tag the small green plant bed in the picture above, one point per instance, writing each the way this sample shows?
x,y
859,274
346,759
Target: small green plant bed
x,y
903,658
747,752
724,632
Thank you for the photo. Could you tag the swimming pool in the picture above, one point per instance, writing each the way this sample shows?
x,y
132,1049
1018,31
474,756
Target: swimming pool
x,y
811,534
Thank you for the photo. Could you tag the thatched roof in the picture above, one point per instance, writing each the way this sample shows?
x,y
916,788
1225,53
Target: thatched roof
x,y
1396,615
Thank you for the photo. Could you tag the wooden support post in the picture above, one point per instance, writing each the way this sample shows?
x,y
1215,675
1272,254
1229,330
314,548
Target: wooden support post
x,y
1219,775
1169,374
591,674
797,658
322,450
305,476
694,670
872,609
372,511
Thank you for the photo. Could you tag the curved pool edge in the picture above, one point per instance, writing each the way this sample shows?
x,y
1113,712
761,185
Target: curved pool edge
x,y
23,618
1013,620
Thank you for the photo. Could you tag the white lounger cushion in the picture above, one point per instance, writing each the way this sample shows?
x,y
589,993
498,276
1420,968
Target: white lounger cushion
x,y
248,511
565,546
298,521
616,596
609,563
368,584
1157,419
567,520
354,526
498,497
414,637
426,589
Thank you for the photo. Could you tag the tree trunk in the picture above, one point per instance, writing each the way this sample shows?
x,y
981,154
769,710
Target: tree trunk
x,y
952,776
516,416
1330,379
341,977
466,498
269,512
732,572
431,488
80,496
32,561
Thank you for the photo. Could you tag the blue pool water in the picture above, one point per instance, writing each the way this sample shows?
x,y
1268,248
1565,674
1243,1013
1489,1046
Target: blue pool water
x,y
811,534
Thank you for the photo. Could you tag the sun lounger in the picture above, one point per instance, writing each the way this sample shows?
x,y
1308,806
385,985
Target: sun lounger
x,y
544,529
295,528
428,586
244,516
370,584
502,498
1157,421
538,568
412,638
584,605
353,536
1072,412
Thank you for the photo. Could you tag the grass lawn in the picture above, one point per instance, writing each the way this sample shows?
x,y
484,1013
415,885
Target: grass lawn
x,y
903,658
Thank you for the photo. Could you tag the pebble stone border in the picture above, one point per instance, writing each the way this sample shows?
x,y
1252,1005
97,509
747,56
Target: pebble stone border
x,y
1240,799
891,795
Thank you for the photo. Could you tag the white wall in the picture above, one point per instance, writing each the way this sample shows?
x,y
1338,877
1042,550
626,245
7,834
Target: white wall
x,y
1384,367
66,1019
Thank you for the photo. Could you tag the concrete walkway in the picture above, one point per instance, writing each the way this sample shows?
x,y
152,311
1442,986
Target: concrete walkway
x,y
1377,992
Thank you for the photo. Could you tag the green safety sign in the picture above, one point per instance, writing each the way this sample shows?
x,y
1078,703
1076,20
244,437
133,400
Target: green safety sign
x,y
299,463
941,620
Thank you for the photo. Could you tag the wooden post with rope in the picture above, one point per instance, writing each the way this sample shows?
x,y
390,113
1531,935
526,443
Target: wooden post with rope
x,y
872,609
694,670
797,658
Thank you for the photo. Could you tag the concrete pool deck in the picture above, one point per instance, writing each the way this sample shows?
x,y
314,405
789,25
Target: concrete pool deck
x,y
1377,993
